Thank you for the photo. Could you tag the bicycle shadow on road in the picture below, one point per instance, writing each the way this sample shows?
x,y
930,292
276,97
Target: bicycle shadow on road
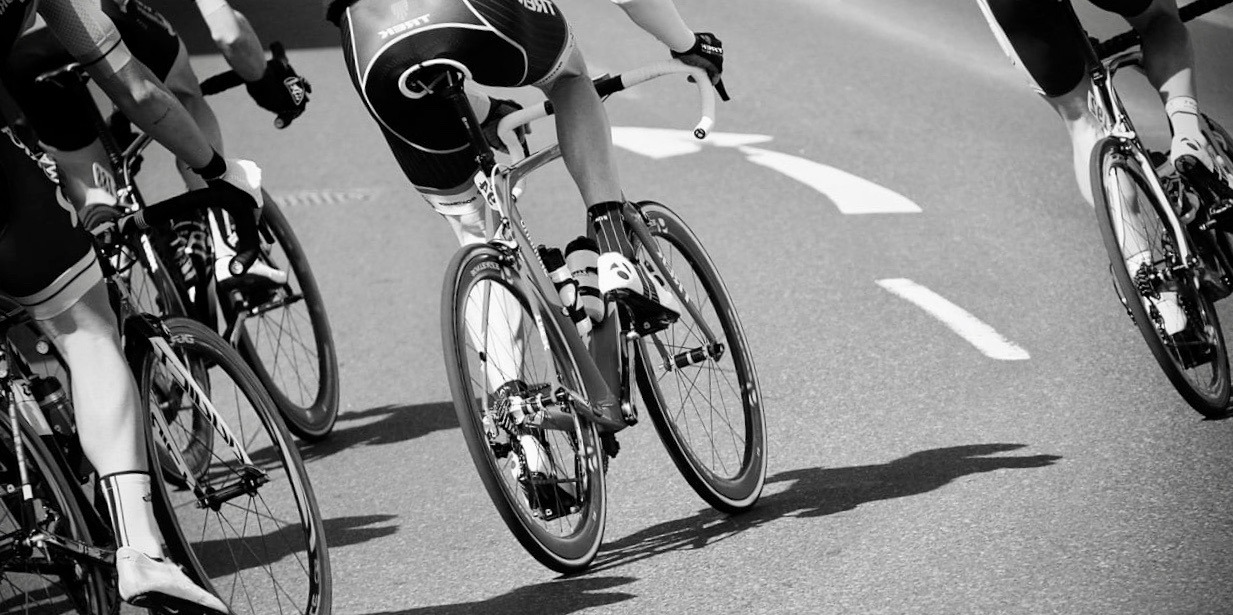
x,y
554,598
226,556
394,424
818,492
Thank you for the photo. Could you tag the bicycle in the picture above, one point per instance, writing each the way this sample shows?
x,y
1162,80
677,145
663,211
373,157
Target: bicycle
x,y
1165,233
570,405
216,435
266,317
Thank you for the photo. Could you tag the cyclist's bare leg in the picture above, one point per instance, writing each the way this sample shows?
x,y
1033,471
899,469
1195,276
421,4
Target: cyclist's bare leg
x,y
104,395
183,83
1168,58
584,133
1084,128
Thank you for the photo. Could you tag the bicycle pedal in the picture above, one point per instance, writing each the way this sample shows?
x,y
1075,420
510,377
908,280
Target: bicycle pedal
x,y
646,317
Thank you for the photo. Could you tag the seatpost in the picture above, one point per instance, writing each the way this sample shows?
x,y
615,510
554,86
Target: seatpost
x,y
455,93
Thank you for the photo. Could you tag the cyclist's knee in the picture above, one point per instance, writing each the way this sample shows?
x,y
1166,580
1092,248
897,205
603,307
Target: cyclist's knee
x,y
464,208
88,323
575,68
181,80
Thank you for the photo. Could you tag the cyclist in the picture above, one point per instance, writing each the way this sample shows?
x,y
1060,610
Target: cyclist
x,y
65,130
1045,39
47,264
530,44
505,43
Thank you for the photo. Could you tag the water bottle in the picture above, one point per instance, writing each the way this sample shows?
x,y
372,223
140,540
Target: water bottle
x,y
582,258
54,403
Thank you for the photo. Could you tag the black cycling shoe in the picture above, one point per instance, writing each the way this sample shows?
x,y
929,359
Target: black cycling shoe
x,y
1213,190
546,496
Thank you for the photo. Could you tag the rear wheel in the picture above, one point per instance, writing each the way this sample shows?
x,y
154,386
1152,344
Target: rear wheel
x,y
545,475
1160,291
38,581
251,530
287,338
704,400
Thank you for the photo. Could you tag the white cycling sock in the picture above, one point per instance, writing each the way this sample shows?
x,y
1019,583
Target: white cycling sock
x,y
1185,121
132,515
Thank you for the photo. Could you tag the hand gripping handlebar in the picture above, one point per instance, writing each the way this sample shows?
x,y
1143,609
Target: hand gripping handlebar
x,y
245,217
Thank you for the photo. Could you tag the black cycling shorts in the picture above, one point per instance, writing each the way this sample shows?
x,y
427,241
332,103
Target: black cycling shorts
x,y
1047,39
47,261
502,43
61,120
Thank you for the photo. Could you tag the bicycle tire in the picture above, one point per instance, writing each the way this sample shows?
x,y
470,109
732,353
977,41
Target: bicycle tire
x,y
309,414
1140,290
292,559
90,589
1223,143
733,483
569,542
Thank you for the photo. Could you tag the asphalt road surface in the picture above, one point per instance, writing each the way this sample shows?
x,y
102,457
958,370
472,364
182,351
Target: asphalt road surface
x,y
1042,464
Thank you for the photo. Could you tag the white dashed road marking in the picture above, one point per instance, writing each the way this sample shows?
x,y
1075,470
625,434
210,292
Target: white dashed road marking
x,y
987,340
303,198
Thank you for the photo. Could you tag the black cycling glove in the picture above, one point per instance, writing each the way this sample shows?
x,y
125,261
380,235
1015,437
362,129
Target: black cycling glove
x,y
499,109
280,90
707,54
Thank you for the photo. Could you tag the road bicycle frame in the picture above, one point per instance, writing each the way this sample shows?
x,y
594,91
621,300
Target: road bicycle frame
x,y
499,184
1106,105
142,329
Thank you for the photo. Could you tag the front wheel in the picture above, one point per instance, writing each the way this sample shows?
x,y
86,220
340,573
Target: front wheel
x,y
287,337
240,514
703,397
542,468
1160,291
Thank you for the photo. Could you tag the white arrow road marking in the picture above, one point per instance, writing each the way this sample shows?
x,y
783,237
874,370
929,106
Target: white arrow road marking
x,y
851,194
660,143
987,340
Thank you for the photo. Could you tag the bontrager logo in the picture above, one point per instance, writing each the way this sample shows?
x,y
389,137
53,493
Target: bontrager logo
x,y
409,24
540,6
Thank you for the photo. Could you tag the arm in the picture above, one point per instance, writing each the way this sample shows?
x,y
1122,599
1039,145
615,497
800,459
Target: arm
x,y
91,37
661,20
235,38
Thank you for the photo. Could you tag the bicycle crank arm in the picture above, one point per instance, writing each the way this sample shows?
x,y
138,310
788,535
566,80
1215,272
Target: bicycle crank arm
x,y
81,550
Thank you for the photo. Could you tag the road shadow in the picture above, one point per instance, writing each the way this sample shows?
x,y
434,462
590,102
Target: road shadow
x,y
257,549
818,492
394,424
298,24
554,598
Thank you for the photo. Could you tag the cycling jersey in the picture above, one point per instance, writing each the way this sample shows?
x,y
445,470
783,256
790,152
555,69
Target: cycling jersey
x,y
1045,39
47,262
59,119
503,43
